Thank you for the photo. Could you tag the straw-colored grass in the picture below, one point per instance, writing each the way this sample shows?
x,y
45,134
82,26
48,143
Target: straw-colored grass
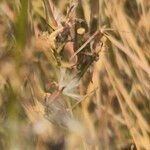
x,y
75,75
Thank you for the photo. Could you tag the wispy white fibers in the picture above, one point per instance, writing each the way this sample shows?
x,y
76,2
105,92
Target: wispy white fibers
x,y
69,83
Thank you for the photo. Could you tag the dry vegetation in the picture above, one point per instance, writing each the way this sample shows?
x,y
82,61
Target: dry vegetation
x,y
74,75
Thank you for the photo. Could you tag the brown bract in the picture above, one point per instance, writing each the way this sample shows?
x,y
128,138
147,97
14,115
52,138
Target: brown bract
x,y
69,47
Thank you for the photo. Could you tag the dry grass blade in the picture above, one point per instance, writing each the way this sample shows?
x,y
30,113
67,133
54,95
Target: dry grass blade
x,y
74,74
140,120
81,48
86,8
129,121
133,57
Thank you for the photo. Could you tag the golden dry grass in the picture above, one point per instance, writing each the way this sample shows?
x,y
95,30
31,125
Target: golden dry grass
x,y
75,74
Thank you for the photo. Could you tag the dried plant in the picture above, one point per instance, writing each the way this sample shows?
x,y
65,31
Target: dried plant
x,y
74,74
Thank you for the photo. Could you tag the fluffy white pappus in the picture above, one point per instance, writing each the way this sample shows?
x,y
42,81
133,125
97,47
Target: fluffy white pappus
x,y
69,83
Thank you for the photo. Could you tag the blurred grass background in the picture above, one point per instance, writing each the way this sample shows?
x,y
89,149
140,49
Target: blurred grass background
x,y
74,74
